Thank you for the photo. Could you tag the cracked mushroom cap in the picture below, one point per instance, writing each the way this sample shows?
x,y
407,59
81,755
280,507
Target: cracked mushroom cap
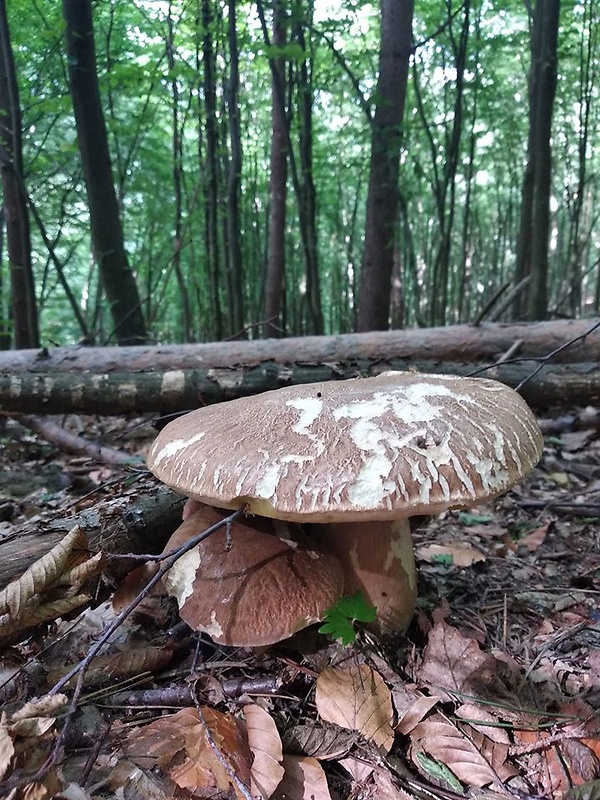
x,y
398,444
268,583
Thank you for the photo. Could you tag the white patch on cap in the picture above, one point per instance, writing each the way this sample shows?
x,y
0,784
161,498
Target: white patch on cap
x,y
371,486
174,446
267,484
179,580
309,408
213,628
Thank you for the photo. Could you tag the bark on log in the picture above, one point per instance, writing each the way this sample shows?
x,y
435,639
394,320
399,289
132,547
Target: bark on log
x,y
138,521
485,343
169,392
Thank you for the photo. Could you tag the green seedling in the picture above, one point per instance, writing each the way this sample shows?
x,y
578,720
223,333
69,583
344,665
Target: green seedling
x,y
340,619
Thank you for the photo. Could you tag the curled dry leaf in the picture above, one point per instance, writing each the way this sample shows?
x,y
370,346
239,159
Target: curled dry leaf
x,y
303,779
115,666
7,750
33,614
41,574
37,716
322,740
265,743
357,698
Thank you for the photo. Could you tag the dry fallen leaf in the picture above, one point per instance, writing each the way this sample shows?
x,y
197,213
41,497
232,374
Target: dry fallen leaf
x,y
357,698
7,750
454,663
460,555
372,782
115,666
442,740
303,779
199,753
265,743
41,574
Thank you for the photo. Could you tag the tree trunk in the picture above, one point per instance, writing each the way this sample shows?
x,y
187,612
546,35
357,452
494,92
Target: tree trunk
x,y
105,222
234,176
178,391
16,215
487,342
275,267
176,154
440,297
307,193
382,197
534,232
213,253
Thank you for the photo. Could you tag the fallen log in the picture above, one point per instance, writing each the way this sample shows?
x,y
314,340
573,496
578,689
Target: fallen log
x,y
484,343
180,390
138,520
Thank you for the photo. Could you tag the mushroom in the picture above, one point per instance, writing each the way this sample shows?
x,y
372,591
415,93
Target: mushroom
x,y
266,584
358,457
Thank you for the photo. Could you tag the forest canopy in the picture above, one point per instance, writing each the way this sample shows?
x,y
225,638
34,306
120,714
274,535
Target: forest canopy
x,y
245,142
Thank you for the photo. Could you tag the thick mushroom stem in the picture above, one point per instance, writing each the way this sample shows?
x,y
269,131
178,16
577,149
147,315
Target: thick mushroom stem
x,y
378,560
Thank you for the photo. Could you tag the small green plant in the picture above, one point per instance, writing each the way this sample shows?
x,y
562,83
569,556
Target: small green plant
x,y
340,618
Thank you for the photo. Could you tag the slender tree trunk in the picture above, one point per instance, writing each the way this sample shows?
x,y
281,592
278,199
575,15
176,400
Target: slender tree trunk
x,y
275,267
212,168
534,233
578,237
234,175
382,197
15,216
117,278
176,150
307,196
440,298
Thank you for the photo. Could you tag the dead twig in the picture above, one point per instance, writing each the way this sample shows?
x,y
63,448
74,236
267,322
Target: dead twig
x,y
64,440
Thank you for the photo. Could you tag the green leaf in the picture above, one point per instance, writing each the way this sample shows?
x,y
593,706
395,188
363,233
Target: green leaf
x,y
339,619
440,771
465,518
356,607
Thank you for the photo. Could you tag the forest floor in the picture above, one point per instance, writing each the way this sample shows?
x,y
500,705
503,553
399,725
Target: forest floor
x,y
493,692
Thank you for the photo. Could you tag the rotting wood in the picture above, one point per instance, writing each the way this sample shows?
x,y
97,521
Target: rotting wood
x,y
139,520
486,342
169,392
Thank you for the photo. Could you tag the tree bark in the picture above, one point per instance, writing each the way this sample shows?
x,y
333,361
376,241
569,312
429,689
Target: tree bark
x,y
382,196
117,278
235,272
16,214
213,249
184,390
275,268
140,520
487,342
534,232
307,197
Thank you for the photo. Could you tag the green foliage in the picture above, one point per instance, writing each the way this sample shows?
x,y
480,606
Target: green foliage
x,y
156,118
340,619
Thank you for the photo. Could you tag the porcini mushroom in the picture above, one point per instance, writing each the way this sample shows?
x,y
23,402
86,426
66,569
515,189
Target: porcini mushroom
x,y
267,583
359,457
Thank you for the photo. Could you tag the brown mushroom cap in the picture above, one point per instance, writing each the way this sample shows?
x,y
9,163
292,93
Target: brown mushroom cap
x,y
398,444
262,589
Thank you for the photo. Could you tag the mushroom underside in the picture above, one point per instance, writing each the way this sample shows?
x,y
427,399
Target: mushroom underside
x,y
258,586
